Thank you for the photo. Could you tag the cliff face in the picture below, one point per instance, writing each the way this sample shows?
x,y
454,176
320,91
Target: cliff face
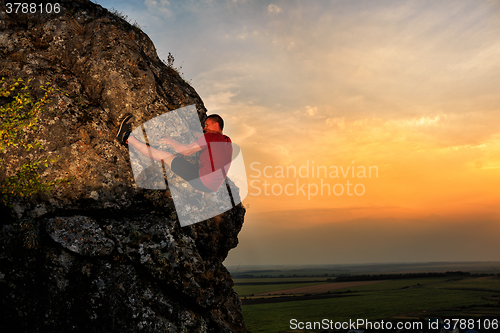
x,y
103,255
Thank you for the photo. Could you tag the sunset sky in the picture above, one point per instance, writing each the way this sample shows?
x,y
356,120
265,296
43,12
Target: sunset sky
x,y
405,89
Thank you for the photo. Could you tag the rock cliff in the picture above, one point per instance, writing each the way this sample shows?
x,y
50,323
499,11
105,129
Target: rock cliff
x,y
97,253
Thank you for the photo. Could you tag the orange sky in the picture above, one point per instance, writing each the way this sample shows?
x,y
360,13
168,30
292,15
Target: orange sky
x,y
408,87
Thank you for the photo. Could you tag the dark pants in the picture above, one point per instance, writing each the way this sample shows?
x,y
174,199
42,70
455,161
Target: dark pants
x,y
189,172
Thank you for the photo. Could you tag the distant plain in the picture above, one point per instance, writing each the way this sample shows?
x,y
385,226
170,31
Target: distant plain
x,y
275,295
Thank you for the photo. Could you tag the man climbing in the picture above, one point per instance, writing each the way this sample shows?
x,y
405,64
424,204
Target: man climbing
x,y
210,170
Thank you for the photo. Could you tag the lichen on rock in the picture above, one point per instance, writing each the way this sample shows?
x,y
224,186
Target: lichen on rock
x,y
106,255
80,234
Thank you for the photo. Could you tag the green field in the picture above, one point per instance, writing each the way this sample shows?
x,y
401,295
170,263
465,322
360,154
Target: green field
x,y
391,298
250,290
246,290
398,284
278,280
492,284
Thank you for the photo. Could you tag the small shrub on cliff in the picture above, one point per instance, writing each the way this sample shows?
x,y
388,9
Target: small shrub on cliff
x,y
170,65
125,17
19,115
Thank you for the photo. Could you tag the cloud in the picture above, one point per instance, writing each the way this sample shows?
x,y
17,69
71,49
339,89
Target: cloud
x,y
241,131
159,7
265,153
442,131
215,102
311,111
339,122
272,8
423,121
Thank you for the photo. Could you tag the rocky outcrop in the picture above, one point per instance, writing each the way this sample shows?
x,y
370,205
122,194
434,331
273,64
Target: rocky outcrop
x,y
98,253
